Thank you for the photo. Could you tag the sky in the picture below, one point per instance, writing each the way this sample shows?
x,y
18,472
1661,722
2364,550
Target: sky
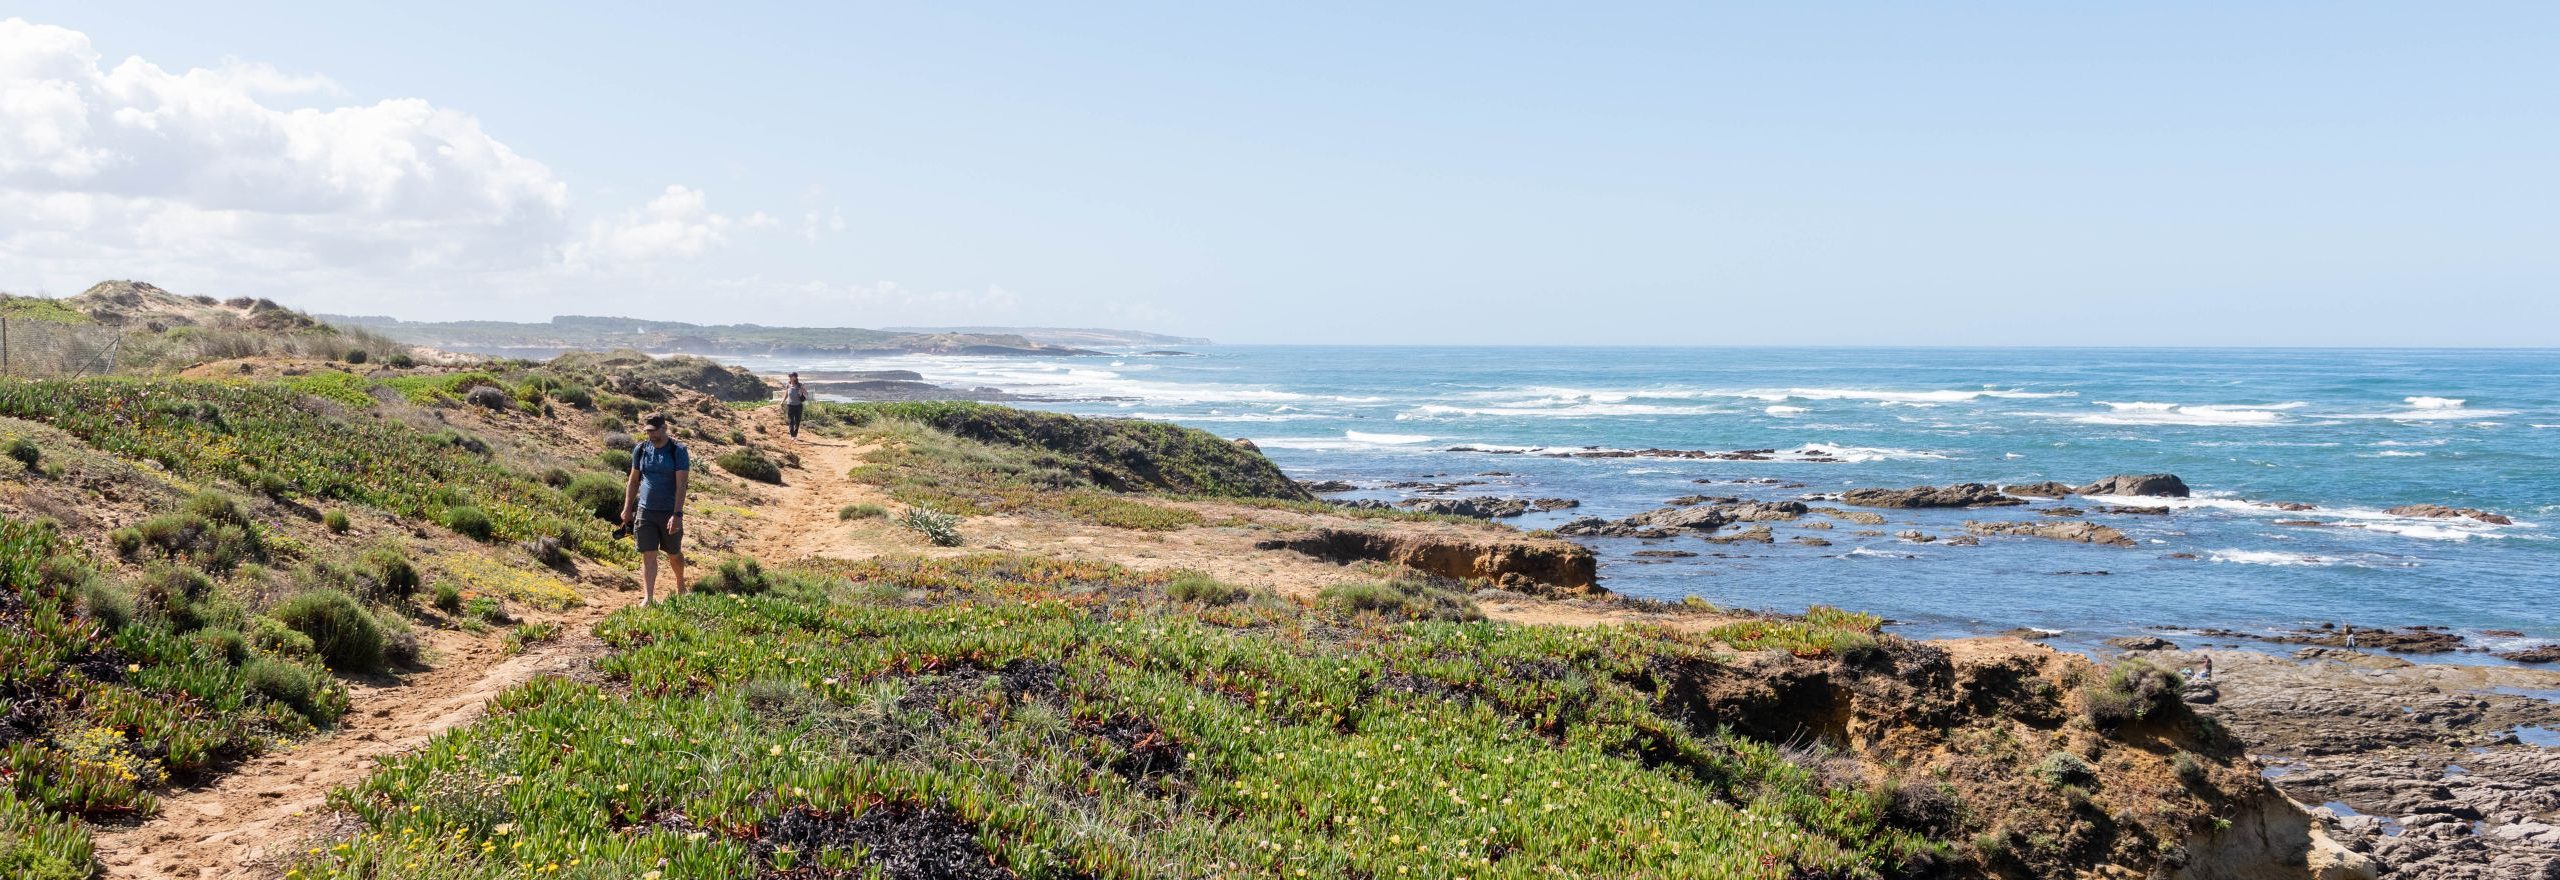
x,y
2360,174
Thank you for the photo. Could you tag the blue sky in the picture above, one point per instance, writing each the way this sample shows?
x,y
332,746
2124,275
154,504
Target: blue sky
x,y
2206,174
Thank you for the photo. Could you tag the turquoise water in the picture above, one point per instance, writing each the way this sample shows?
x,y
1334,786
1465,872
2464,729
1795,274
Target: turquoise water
x,y
2353,432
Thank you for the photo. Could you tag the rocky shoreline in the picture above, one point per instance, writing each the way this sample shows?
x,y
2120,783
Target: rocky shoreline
x,y
2430,770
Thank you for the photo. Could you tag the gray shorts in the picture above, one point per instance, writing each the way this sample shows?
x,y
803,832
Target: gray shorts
x,y
651,533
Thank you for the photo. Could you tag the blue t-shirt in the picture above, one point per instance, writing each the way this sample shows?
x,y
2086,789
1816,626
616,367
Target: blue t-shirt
x,y
658,469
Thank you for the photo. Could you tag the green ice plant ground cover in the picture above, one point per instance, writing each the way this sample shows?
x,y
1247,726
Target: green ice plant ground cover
x,y
1038,718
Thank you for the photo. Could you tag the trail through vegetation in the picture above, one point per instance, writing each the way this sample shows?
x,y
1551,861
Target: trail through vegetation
x,y
250,822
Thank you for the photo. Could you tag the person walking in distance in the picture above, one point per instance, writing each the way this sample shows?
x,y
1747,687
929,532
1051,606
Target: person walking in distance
x,y
795,397
653,506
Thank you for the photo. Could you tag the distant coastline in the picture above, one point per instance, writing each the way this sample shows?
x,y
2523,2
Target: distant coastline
x,y
592,333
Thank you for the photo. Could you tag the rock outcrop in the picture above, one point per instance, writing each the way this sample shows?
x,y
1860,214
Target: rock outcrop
x,y
1542,566
1958,495
2081,531
2046,489
1479,507
2167,485
2439,511
1666,522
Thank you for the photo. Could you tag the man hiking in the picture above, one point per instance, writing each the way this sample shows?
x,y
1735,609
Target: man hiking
x,y
794,397
653,505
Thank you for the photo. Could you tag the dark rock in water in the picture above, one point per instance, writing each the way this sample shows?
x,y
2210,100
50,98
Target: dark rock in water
x,y
2308,523
1695,500
1961,541
1664,554
1959,495
1364,504
2546,653
2083,532
1667,521
2134,511
2143,643
1479,507
1859,517
2138,484
2030,633
2412,640
1542,505
2181,556
2294,506
1811,541
2502,633
1497,474
2046,489
1752,535
1589,526
2439,511
2061,511
1325,487
1915,536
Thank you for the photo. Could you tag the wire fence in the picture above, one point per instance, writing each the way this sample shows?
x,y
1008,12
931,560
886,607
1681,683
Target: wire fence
x,y
32,348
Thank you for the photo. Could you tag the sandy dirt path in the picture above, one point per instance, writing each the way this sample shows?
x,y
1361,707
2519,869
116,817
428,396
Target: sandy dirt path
x,y
246,824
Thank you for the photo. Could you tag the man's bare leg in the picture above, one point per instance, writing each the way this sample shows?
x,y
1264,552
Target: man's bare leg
x,y
649,578
675,562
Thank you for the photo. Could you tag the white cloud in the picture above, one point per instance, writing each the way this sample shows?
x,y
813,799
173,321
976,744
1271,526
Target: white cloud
x,y
243,179
153,158
816,222
678,223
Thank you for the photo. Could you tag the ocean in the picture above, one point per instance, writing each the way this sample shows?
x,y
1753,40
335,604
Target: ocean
x,y
2351,432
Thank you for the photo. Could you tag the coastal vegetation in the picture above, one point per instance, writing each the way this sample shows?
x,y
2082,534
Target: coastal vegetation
x,y
190,564
1057,719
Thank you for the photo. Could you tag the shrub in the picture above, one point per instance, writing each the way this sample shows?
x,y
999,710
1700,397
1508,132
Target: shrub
x,y
336,521
292,684
357,356
577,396
616,441
2132,691
25,451
599,494
752,465
107,604
274,637
225,645
486,609
216,507
555,478
1408,599
737,575
400,645
489,397
942,529
469,521
616,460
173,592
341,631
862,511
2066,769
2190,771
1205,590
391,569
400,360
448,598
